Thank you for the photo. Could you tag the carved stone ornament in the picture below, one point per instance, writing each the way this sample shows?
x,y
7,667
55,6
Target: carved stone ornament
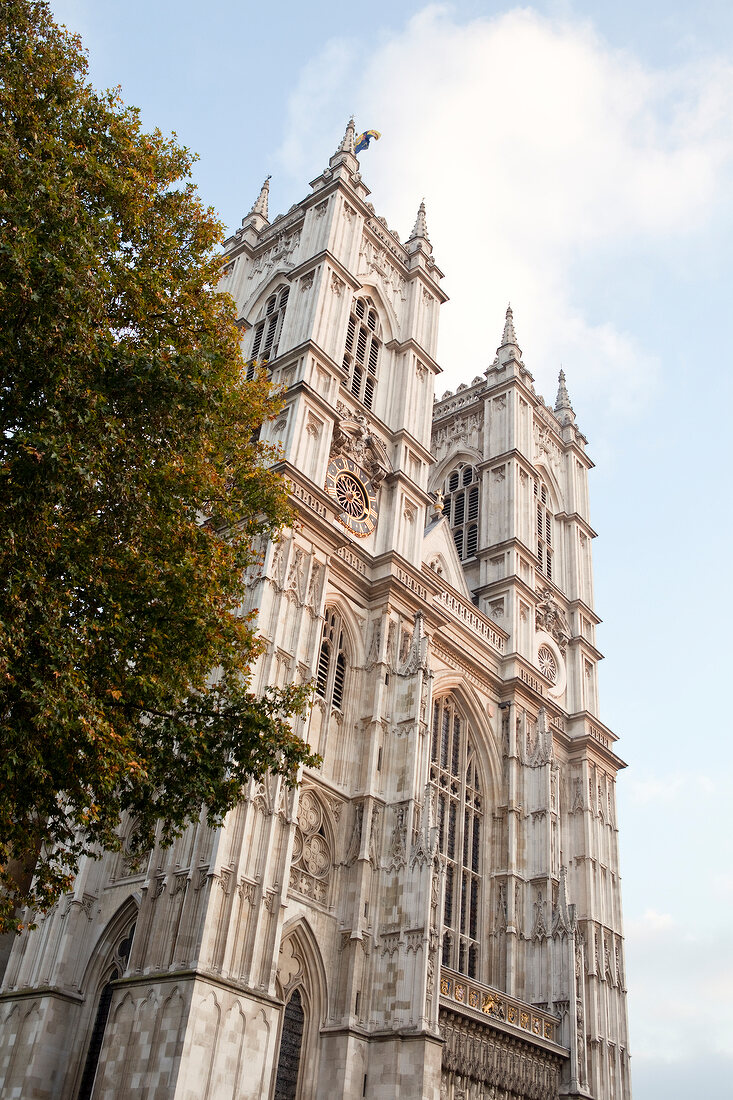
x,y
279,254
158,886
310,870
277,565
296,573
425,844
538,741
374,836
313,599
375,265
397,852
180,882
352,437
262,795
498,1066
464,429
545,446
246,890
501,909
352,852
416,658
539,930
550,617
289,965
563,917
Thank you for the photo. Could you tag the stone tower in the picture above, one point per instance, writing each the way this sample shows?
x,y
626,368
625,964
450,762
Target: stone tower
x,y
435,911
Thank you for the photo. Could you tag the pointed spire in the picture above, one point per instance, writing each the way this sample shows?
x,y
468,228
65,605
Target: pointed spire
x,y
260,206
343,164
420,228
509,350
563,408
419,242
509,336
347,143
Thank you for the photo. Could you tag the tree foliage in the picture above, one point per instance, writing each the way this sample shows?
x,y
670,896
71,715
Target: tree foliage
x,y
131,482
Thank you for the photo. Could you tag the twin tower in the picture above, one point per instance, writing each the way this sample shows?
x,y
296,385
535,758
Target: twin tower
x,y
435,912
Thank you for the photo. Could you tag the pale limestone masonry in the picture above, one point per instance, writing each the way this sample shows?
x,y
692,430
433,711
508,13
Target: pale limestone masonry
x,y
435,912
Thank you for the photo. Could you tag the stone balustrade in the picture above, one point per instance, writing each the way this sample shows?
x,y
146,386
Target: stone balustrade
x,y
457,991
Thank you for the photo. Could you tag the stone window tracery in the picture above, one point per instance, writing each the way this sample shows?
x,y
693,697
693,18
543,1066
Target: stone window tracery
x,y
332,661
461,508
267,331
546,663
291,1041
544,528
310,868
456,781
114,971
361,352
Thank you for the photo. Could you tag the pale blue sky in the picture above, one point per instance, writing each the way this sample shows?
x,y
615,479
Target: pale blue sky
x,y
587,150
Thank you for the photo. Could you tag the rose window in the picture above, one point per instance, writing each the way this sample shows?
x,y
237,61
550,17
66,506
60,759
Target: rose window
x,y
351,496
547,663
310,868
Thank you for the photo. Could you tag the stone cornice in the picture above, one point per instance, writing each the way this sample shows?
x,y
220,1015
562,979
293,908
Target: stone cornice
x,y
583,608
411,344
56,992
575,517
402,435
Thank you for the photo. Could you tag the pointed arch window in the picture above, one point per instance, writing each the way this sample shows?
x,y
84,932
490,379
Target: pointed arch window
x,y
267,330
456,782
291,1042
332,661
361,353
115,971
544,527
461,508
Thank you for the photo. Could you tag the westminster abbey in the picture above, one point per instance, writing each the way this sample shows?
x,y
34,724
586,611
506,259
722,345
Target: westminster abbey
x,y
435,911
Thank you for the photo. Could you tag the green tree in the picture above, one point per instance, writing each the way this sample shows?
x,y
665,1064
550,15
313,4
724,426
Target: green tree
x,y
132,487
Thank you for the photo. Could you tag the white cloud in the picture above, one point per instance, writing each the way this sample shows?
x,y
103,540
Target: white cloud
x,y
534,145
679,982
723,883
651,923
670,787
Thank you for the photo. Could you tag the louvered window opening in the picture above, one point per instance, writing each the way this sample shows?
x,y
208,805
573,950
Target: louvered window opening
x,y
361,353
267,331
544,528
461,507
332,663
455,780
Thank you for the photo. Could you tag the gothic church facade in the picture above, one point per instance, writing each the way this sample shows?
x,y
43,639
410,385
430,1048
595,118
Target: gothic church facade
x,y
435,911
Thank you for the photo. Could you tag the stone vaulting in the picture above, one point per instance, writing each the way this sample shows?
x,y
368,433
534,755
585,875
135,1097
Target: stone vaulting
x,y
435,912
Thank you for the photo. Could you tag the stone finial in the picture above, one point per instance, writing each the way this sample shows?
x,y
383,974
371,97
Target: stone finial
x,y
509,350
438,504
420,228
347,142
562,401
563,408
509,336
260,206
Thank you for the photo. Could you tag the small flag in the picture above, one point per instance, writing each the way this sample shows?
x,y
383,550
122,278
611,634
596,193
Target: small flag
x,y
362,142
